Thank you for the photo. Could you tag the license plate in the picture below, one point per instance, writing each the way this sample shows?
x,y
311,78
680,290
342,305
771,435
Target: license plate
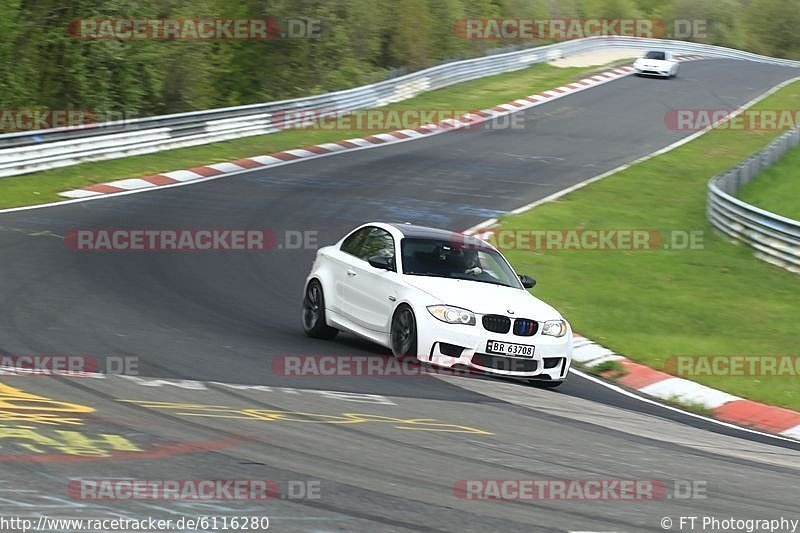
x,y
508,348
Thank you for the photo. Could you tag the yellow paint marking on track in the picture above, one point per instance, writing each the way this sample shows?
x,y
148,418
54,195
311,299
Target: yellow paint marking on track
x,y
35,440
19,406
269,415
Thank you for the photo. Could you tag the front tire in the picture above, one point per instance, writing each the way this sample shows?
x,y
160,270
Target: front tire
x,y
404,333
314,323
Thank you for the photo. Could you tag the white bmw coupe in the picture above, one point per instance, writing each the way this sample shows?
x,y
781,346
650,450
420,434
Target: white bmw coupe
x,y
657,63
442,297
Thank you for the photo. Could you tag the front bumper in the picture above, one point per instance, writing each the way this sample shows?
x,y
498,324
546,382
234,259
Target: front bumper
x,y
652,72
458,345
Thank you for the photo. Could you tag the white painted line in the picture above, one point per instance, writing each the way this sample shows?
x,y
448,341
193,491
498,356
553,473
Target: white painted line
x,y
551,93
629,394
688,391
226,167
131,184
484,224
182,175
620,168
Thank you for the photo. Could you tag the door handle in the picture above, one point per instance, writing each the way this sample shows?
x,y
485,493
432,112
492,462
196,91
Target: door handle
x,y
392,299
351,273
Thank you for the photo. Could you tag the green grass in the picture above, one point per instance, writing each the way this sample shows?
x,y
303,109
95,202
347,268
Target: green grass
x,y
44,186
609,369
692,407
778,188
649,305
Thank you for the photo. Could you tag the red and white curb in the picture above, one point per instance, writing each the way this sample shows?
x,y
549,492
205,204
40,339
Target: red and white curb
x,y
371,141
218,170
661,385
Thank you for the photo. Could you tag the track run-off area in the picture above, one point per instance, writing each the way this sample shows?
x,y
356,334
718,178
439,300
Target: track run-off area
x,y
362,453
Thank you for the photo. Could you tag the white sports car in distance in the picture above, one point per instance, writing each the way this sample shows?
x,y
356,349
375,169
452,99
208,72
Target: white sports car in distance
x,y
442,297
656,63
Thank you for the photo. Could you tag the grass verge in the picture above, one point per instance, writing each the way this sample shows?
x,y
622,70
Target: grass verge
x,y
607,369
777,189
42,187
649,305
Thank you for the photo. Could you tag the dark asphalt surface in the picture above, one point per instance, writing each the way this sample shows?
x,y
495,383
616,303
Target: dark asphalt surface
x,y
223,317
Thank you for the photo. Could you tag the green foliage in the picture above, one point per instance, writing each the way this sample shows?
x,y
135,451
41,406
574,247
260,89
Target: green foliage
x,y
777,189
362,41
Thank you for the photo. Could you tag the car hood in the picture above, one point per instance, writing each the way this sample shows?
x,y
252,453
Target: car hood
x,y
483,298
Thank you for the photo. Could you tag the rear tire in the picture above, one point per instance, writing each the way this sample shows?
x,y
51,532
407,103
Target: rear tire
x,y
404,333
314,323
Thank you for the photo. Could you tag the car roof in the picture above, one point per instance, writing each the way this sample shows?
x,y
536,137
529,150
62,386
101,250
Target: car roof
x,y
424,232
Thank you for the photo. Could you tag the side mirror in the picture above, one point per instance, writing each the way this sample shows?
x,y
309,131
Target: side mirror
x,y
527,281
381,261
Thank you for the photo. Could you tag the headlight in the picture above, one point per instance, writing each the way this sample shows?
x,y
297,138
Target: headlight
x,y
452,315
555,328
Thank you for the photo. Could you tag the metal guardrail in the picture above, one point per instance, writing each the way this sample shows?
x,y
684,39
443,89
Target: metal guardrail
x,y
776,239
32,151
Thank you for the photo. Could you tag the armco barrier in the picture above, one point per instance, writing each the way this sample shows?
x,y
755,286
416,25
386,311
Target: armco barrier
x,y
776,239
26,152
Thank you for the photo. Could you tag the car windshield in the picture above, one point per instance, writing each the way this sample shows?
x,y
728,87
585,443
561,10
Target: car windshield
x,y
445,259
655,55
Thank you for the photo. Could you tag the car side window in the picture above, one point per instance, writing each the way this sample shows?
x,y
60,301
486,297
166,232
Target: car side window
x,y
378,242
352,244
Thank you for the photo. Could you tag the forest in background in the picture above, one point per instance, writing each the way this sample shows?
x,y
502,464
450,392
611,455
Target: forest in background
x,y
362,41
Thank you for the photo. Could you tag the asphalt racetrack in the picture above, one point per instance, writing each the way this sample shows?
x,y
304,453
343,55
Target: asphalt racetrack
x,y
387,457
